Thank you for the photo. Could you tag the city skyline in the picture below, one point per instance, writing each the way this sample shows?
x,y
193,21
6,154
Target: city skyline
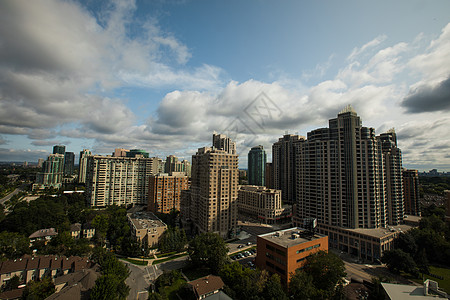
x,y
163,76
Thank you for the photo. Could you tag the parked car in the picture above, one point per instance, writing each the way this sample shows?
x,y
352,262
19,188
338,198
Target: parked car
x,y
240,246
249,243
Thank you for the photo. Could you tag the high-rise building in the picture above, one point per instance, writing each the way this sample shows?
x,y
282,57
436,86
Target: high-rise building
x,y
214,186
257,160
59,149
120,152
69,162
118,180
222,142
349,179
340,172
165,191
172,164
269,176
52,172
284,166
411,192
392,158
82,166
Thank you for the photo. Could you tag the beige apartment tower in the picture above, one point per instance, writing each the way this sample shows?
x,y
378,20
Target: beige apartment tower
x,y
214,189
118,180
165,191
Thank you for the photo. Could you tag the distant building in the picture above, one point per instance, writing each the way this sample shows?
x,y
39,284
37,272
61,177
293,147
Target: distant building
x,y
82,231
447,205
172,164
69,162
262,203
165,191
59,149
137,153
257,160
269,176
146,226
214,185
52,172
40,162
411,192
284,167
283,252
120,152
118,180
82,167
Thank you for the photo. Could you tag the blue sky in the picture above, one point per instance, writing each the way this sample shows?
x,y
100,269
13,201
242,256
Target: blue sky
x,y
163,75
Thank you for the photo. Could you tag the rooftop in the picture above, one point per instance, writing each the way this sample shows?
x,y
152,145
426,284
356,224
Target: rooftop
x,y
382,232
145,219
43,233
206,284
290,237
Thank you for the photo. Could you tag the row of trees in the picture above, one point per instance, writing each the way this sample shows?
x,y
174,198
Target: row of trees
x,y
416,249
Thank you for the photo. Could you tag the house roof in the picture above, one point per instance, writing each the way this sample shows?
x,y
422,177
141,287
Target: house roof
x,y
75,227
32,263
45,261
43,233
13,294
13,265
206,284
75,284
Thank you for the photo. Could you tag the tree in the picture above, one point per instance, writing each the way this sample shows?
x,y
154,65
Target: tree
x,y
36,290
173,239
11,284
322,272
397,260
406,242
273,289
377,292
13,245
208,249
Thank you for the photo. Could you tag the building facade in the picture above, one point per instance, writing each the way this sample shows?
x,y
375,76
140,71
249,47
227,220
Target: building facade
x,y
269,176
146,227
165,191
52,172
214,189
283,252
118,180
69,162
172,164
222,142
59,149
262,203
82,165
284,167
257,160
411,192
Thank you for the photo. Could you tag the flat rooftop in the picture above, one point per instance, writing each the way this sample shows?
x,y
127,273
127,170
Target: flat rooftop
x,y
375,232
285,238
145,220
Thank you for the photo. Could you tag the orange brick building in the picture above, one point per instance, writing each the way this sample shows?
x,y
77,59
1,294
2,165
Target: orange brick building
x,y
282,252
165,190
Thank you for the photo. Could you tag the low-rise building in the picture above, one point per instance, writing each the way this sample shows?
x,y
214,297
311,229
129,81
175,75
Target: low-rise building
x,y
363,243
206,286
283,252
262,203
43,235
145,225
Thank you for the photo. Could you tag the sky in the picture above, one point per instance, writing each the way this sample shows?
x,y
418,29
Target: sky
x,y
164,75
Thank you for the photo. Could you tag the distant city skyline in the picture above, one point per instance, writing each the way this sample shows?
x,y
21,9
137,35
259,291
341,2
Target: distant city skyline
x,y
163,76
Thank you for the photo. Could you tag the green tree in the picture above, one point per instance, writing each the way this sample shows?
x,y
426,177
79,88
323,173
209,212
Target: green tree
x,y
273,289
208,249
101,225
377,292
322,272
406,242
397,260
13,245
11,284
173,239
36,290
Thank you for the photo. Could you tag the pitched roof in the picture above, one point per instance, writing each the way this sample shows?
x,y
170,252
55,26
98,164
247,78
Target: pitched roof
x,y
75,284
206,284
43,233
32,263
75,227
13,294
13,265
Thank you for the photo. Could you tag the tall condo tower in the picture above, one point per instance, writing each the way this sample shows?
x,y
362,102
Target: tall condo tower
x,y
257,160
214,187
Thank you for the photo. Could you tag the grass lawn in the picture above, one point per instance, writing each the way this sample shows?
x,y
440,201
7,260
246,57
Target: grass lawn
x,y
166,254
444,272
194,273
171,291
136,261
